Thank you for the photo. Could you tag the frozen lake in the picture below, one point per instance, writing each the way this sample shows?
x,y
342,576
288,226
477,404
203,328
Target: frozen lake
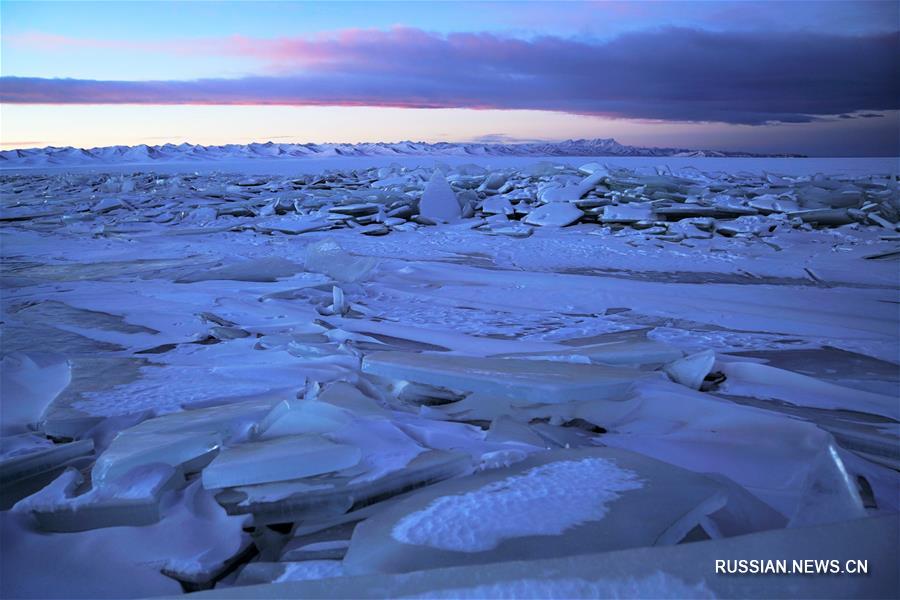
x,y
439,382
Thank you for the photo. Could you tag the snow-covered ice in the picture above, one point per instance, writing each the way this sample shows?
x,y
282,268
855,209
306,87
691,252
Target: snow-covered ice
x,y
399,360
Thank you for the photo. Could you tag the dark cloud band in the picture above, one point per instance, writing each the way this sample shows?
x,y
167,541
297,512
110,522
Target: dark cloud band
x,y
667,74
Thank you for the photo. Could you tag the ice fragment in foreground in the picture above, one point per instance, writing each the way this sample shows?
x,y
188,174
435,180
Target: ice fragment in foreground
x,y
556,503
767,382
830,496
680,571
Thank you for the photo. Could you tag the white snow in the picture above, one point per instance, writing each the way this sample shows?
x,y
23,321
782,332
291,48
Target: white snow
x,y
311,569
518,506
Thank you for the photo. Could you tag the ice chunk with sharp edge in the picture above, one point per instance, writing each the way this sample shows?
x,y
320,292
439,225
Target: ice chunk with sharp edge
x,y
829,495
279,459
439,200
692,369
131,500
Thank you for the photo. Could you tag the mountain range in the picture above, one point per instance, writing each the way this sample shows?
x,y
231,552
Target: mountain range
x,y
140,154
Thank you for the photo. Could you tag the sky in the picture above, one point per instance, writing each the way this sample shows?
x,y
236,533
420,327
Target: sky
x,y
815,77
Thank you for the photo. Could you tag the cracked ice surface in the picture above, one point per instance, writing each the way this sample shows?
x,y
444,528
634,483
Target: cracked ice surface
x,y
303,360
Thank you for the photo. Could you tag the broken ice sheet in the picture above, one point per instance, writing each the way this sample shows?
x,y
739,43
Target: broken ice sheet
x,y
522,380
613,500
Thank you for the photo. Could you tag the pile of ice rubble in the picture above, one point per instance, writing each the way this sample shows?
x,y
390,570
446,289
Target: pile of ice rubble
x,y
491,469
668,206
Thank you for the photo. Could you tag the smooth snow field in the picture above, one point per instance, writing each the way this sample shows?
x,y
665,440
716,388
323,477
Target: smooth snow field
x,y
447,376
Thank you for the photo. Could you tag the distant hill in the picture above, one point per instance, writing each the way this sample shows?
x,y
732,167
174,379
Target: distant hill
x,y
52,155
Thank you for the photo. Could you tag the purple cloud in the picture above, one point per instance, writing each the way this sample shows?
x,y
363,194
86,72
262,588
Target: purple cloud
x,y
669,74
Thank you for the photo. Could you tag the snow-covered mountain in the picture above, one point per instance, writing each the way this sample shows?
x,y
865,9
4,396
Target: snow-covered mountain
x,y
52,155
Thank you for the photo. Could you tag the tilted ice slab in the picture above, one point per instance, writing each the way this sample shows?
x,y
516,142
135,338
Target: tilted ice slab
x,y
620,352
279,459
131,500
332,495
691,370
522,380
768,454
187,440
556,503
763,381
